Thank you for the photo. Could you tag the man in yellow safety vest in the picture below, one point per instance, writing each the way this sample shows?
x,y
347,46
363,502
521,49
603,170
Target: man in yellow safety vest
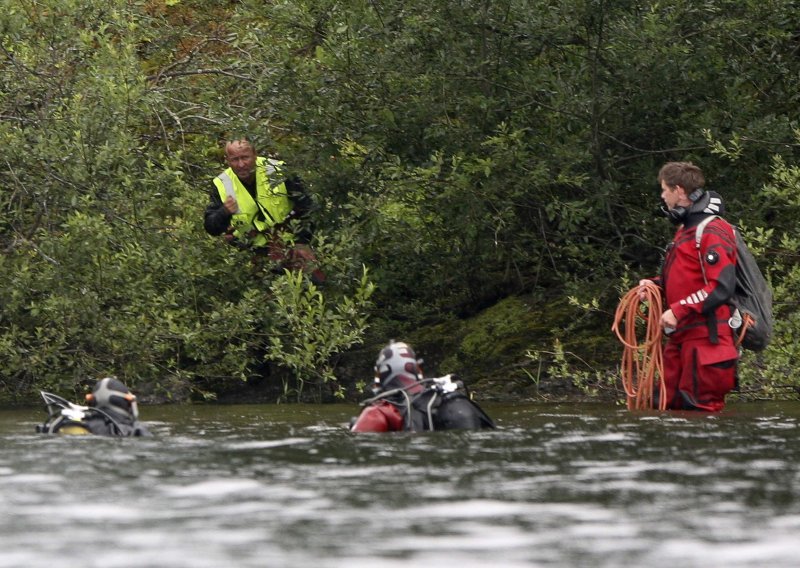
x,y
253,203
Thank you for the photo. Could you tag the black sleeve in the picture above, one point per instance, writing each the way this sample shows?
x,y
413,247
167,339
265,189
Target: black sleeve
x,y
302,203
302,206
217,219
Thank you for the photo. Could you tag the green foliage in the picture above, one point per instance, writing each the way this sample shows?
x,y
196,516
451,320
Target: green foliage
x,y
502,329
772,373
306,332
569,368
463,152
106,269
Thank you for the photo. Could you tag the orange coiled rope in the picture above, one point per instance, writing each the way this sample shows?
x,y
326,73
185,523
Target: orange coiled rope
x,y
642,362
747,321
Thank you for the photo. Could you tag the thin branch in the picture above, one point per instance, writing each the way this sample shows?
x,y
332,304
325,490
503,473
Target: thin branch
x,y
226,72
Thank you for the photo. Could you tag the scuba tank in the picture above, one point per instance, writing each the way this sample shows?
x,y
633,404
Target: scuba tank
x,y
447,406
67,418
440,403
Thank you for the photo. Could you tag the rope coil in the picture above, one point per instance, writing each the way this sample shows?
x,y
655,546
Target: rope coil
x,y
747,321
642,365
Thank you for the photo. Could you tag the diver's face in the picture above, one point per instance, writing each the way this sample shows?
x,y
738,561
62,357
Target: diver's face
x,y
241,157
672,196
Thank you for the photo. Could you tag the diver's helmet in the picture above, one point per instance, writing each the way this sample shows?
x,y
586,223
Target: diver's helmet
x,y
113,397
397,367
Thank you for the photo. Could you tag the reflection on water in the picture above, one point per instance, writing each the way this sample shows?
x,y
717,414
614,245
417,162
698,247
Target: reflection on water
x,y
288,485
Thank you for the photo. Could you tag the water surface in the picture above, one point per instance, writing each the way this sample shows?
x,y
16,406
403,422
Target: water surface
x,y
288,485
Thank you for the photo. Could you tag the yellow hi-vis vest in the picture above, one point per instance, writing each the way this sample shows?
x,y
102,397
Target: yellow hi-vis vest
x,y
272,201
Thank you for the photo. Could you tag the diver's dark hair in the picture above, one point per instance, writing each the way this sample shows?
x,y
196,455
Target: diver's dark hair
x,y
685,174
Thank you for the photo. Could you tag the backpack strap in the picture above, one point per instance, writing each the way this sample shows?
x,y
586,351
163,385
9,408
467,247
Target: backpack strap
x,y
698,235
711,320
699,231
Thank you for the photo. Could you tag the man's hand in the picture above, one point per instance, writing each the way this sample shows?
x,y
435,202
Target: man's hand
x,y
668,321
643,290
230,205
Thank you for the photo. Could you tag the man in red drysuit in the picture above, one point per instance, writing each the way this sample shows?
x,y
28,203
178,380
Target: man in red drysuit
x,y
405,401
398,363
700,356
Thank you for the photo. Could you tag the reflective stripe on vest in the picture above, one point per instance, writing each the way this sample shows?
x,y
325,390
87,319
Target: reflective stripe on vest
x,y
227,183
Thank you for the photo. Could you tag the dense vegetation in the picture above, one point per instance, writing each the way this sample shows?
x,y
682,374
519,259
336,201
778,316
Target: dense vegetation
x,y
484,170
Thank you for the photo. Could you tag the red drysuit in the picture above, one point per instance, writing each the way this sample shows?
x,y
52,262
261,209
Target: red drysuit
x,y
700,356
381,416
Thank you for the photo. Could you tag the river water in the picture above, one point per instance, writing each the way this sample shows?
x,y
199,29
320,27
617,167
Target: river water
x,y
288,486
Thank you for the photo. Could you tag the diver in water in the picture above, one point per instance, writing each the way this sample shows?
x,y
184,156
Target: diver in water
x,y
111,411
405,401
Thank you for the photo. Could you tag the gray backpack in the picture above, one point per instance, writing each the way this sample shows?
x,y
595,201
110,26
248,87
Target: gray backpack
x,y
752,296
